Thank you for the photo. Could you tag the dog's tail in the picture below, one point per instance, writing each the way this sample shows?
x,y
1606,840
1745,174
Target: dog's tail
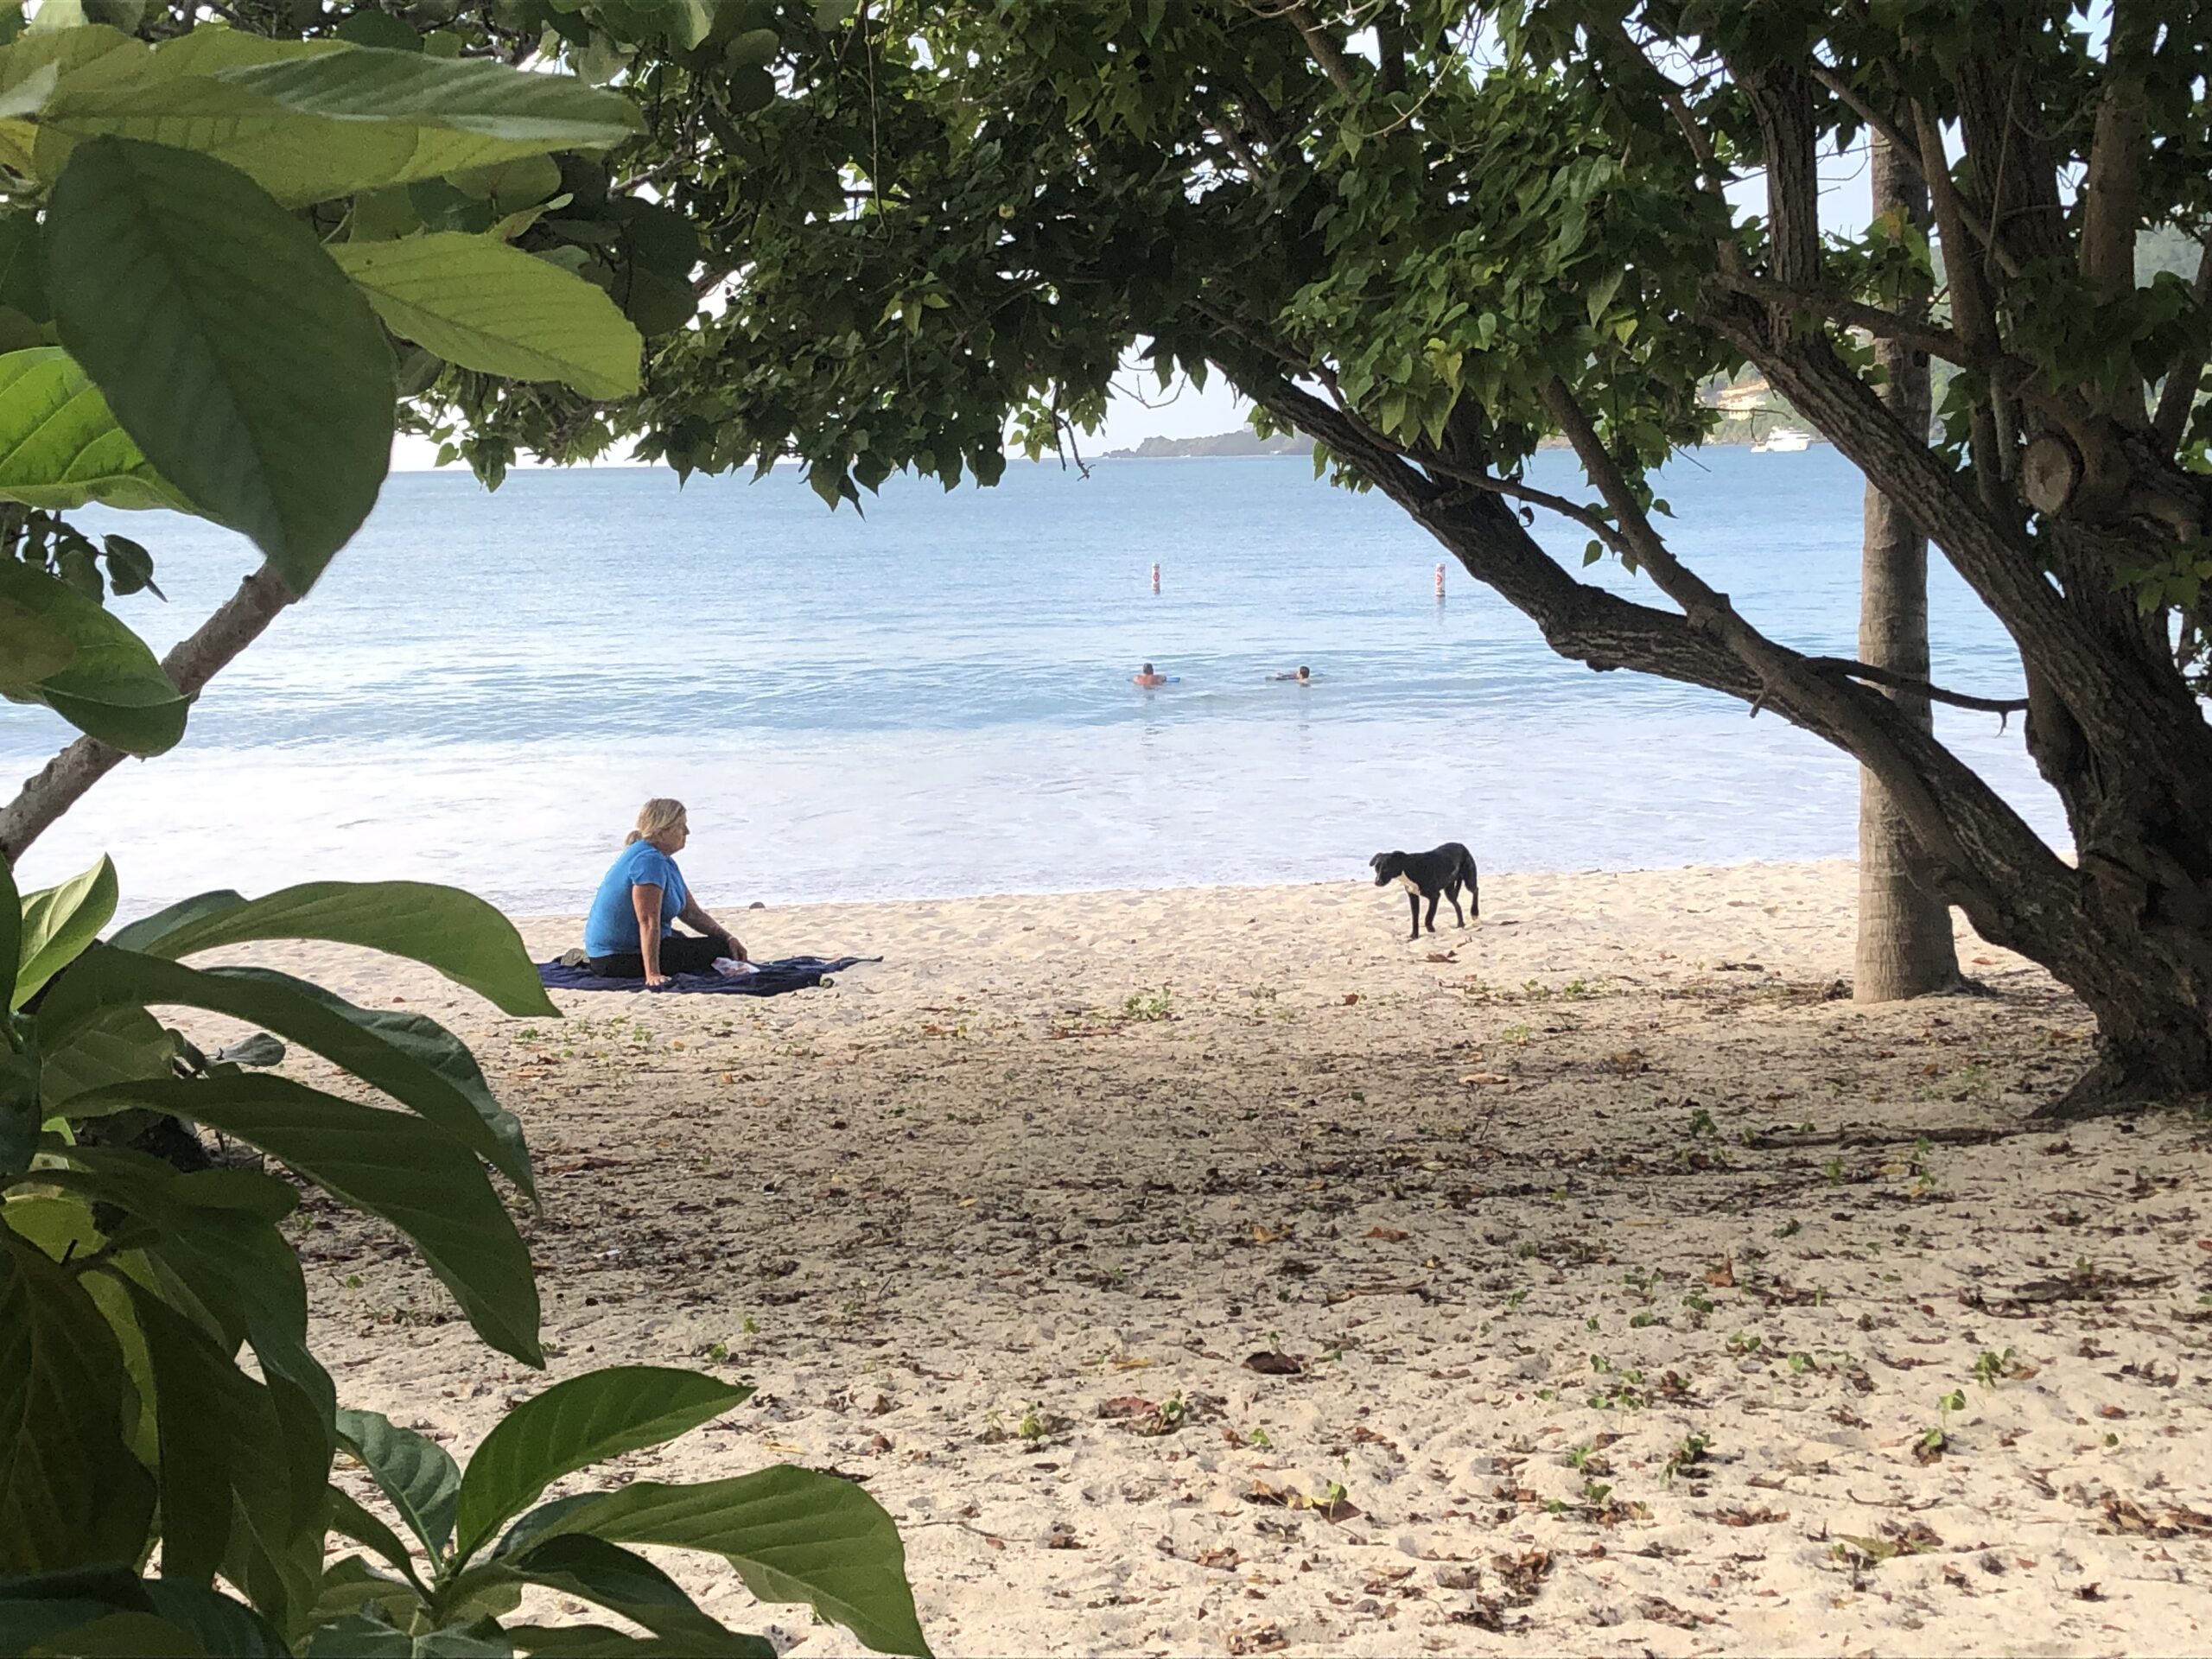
x,y
1467,873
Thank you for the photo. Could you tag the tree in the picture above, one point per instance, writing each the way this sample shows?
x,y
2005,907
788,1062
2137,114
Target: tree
x,y
1904,948
1432,234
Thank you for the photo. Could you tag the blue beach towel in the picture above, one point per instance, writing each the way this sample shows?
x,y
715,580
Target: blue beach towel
x,y
768,979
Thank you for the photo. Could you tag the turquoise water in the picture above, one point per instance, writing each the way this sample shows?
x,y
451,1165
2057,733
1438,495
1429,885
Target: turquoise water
x,y
934,699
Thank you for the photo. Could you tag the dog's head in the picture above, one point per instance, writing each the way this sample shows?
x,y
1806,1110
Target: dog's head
x,y
1386,867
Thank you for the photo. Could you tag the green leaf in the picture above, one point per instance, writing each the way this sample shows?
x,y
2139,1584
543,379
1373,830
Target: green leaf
x,y
349,1519
574,1424
56,1612
31,648
59,448
414,1471
415,1034
792,1534
226,1461
390,1164
251,374
313,121
59,922
106,976
112,688
626,1583
118,1045
71,1494
476,301
456,933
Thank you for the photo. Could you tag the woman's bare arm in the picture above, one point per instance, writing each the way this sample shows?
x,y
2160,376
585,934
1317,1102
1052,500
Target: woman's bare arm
x,y
644,899
701,922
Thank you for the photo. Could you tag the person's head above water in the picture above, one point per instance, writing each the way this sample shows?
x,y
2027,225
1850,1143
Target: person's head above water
x,y
1146,668
663,823
1304,672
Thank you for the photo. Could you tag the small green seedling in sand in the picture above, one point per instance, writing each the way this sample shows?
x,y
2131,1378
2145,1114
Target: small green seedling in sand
x,y
1992,1369
353,1281
1595,1493
1789,1229
1637,1321
1148,1005
1744,1342
1832,1172
1701,1123
1516,1035
1579,1456
1686,1457
1800,1363
1517,1297
1259,1441
1032,1427
1697,1302
717,1350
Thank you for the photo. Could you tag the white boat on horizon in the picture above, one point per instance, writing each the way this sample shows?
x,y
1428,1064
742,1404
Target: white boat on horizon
x,y
1782,441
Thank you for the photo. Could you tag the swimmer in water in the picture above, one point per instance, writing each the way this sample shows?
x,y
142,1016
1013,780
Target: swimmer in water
x,y
1146,679
1304,675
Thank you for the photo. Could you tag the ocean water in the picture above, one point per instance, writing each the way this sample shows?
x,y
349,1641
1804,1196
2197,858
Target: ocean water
x,y
934,698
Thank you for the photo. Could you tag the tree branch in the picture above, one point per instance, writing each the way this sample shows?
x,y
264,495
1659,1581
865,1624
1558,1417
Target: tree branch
x,y
234,624
1858,670
1916,332
1902,143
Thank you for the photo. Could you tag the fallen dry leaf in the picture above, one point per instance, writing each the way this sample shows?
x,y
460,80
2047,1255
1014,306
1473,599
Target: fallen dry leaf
x,y
1387,1234
1274,1364
1485,1077
1722,1275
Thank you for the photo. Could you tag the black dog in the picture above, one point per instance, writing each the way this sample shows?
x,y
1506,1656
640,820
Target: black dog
x,y
1432,876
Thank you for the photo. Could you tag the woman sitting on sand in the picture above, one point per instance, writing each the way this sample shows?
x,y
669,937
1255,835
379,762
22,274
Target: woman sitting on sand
x,y
631,932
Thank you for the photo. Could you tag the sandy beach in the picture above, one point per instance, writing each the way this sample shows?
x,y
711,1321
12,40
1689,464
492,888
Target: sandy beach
x,y
1622,1287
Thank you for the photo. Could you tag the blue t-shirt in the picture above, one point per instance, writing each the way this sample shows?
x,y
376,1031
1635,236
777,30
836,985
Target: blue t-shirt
x,y
611,929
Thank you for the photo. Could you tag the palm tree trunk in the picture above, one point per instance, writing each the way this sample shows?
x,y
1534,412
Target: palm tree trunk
x,y
1904,928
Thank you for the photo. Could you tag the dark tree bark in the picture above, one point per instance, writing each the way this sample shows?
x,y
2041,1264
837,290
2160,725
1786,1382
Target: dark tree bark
x,y
1904,946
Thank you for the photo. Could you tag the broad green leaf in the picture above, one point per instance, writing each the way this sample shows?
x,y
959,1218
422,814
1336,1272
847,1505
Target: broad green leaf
x,y
792,1534
112,688
115,1047
310,122
357,1637
223,1625
225,1454
476,301
59,922
21,1113
37,1607
575,1424
59,448
105,977
386,1163
31,648
71,1494
349,1519
215,1233
412,1033
414,1471
626,1583
456,933
251,374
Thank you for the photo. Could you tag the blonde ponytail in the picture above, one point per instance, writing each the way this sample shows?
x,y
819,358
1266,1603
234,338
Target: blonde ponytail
x,y
655,818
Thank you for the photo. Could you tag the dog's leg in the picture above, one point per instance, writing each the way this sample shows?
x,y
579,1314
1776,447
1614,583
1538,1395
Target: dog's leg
x,y
1433,898
1456,915
1412,904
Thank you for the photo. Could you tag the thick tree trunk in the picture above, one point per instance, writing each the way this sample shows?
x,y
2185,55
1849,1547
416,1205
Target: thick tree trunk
x,y
1904,948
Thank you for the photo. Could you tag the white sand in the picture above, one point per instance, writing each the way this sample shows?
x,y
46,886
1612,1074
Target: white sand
x,y
1055,1152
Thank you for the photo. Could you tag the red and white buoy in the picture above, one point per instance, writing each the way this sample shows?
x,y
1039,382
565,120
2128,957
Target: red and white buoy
x,y
1156,577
